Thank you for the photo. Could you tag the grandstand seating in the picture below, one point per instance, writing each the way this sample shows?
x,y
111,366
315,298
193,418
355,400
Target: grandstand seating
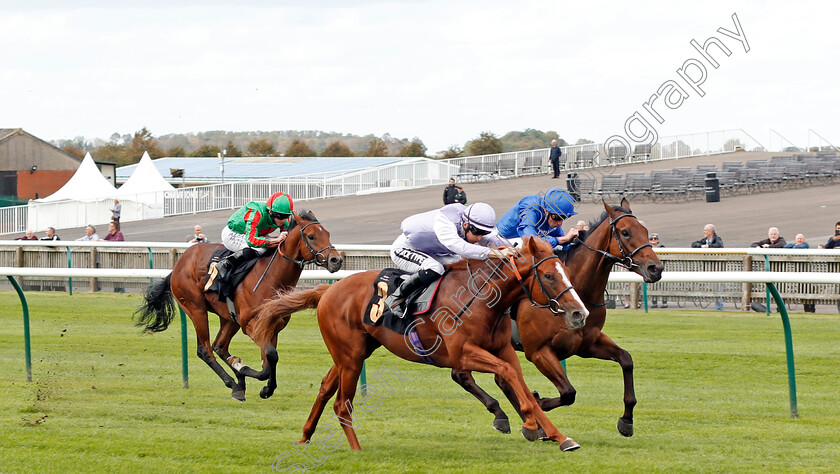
x,y
735,177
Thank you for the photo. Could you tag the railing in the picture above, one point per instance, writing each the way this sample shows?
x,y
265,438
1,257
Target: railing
x,y
161,255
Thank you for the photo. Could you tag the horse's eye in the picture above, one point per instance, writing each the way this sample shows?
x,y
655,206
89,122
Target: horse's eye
x,y
310,237
549,276
625,234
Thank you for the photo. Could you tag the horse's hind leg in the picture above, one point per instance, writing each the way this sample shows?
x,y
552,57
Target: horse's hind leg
x,y
467,382
329,385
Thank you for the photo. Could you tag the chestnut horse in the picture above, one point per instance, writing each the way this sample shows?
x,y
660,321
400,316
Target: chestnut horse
x,y
476,338
617,237
307,242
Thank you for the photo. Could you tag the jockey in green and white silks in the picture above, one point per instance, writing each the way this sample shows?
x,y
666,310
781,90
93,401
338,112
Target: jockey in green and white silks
x,y
246,233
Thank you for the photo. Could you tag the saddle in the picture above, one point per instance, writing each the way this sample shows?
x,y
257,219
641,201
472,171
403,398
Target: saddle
x,y
417,303
226,287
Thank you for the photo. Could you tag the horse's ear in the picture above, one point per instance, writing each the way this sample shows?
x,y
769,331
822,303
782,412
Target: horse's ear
x,y
609,209
532,245
625,203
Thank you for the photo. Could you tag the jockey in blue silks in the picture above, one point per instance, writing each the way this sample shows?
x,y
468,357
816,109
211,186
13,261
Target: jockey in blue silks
x,y
540,216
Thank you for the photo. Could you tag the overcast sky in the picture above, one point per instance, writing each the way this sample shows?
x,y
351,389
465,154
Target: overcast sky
x,y
443,71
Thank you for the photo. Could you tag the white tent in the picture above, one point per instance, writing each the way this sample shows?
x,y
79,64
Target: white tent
x,y
145,179
86,184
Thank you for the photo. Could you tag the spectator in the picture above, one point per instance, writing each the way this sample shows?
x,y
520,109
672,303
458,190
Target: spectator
x,y
449,192
90,234
799,243
810,306
554,156
198,236
116,211
114,233
51,235
654,242
29,236
710,239
461,196
833,242
773,240
582,229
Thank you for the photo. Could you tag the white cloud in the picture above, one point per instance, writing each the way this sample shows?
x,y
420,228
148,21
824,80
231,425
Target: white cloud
x,y
441,71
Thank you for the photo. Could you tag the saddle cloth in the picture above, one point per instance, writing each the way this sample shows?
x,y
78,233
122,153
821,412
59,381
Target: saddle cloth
x,y
226,288
417,303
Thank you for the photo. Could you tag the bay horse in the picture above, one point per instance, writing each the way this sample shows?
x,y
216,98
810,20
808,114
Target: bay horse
x,y
476,338
307,242
616,238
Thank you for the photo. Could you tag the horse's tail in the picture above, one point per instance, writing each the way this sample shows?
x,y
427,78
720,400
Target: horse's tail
x,y
158,307
284,304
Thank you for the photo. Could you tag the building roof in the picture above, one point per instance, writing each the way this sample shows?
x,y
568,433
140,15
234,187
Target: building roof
x,y
259,167
86,184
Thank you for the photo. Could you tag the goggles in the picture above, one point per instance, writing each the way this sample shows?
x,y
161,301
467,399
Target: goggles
x,y
557,217
277,215
476,231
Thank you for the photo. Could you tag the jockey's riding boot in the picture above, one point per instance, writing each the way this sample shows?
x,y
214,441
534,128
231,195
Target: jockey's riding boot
x,y
396,300
226,265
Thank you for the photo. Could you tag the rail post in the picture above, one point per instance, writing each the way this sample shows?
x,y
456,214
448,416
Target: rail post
x,y
27,346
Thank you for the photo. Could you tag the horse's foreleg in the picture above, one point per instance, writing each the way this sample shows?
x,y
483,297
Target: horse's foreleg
x,y
506,365
329,385
221,346
467,382
549,365
606,349
205,353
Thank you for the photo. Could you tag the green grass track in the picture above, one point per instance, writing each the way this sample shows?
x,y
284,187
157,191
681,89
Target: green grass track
x,y
711,386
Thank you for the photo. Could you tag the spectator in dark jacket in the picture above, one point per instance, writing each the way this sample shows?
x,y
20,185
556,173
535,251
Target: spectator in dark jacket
x,y
449,192
710,239
773,240
833,241
51,234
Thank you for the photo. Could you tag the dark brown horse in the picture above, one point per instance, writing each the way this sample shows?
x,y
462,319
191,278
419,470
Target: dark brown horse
x,y
476,338
616,238
307,242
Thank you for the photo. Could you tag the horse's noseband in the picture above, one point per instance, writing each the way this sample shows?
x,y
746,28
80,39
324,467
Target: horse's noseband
x,y
626,259
318,256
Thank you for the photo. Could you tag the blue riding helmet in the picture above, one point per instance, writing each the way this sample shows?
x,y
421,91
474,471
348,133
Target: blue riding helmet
x,y
558,201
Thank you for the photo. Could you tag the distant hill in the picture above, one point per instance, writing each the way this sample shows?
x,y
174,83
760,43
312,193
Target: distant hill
x,y
316,139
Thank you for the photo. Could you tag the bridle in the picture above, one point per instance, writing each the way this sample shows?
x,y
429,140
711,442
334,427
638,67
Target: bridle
x,y
553,304
318,257
626,259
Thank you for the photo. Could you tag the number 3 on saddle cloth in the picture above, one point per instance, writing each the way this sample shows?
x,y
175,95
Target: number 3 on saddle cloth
x,y
226,288
417,304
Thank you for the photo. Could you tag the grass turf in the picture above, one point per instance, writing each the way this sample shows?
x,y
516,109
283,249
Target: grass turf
x,y
712,391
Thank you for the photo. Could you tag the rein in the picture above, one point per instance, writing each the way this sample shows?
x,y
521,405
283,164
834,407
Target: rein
x,y
626,259
318,257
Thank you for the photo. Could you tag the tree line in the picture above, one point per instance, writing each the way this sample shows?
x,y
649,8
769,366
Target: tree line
x,y
128,149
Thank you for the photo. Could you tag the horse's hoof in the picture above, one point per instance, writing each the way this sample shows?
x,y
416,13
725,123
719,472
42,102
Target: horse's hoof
x,y
533,435
239,395
569,445
265,392
502,425
536,395
626,429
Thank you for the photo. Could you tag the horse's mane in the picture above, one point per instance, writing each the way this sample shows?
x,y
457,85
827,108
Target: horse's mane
x,y
303,214
593,225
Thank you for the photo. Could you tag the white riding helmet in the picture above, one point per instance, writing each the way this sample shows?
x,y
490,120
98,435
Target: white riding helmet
x,y
481,215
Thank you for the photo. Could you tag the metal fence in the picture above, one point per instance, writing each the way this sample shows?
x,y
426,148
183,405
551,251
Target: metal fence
x,y
364,257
